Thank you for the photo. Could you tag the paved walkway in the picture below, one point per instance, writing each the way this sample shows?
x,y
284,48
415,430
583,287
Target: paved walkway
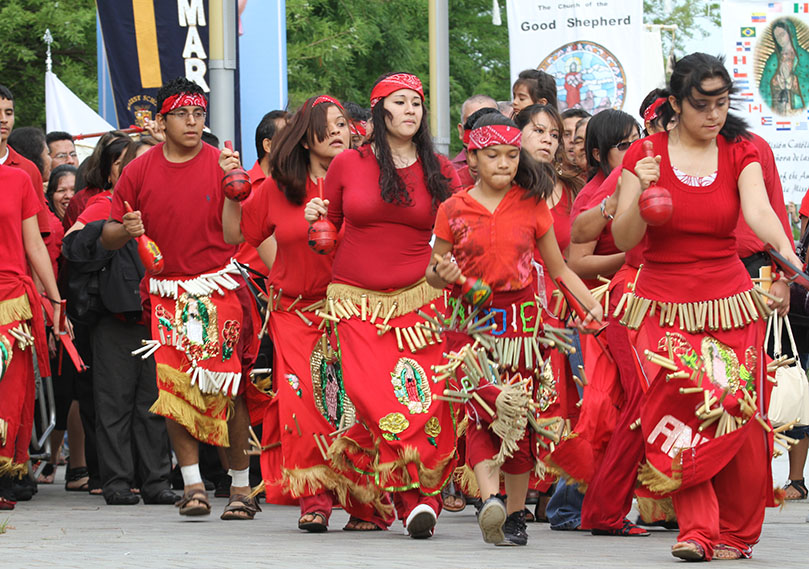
x,y
61,529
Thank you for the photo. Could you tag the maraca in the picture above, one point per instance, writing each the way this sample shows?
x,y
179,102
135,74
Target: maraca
x,y
655,202
475,291
236,183
149,252
576,306
322,233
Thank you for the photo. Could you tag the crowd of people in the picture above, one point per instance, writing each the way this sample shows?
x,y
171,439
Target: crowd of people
x,y
359,321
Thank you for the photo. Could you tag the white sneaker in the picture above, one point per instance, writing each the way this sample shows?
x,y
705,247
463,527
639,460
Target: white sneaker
x,y
421,522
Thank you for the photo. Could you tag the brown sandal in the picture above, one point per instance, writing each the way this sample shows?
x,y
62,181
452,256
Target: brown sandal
x,y
203,507
688,550
722,551
313,525
240,504
353,525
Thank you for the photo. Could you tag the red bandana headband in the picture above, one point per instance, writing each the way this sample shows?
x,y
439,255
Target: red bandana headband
x,y
183,100
359,128
326,99
393,83
650,113
494,135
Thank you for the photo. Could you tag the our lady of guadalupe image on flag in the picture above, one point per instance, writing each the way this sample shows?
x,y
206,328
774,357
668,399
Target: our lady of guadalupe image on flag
x,y
587,77
782,66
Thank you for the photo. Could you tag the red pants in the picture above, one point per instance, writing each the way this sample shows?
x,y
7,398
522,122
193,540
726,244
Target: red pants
x,y
17,398
729,508
609,495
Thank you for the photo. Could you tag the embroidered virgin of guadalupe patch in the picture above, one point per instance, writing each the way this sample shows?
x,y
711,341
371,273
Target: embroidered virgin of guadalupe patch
x,y
410,384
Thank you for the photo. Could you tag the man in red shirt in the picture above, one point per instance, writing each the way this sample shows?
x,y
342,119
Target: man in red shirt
x,y
11,158
198,313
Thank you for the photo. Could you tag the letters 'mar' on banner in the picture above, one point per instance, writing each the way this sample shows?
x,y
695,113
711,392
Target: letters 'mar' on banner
x,y
150,42
591,48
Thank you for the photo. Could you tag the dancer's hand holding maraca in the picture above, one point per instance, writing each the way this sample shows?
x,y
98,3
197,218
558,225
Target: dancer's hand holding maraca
x,y
315,209
446,269
132,222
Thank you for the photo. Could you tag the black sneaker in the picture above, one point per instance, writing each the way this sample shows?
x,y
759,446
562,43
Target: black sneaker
x,y
515,530
491,517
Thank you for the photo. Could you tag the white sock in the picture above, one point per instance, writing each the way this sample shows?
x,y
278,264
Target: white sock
x,y
191,474
239,478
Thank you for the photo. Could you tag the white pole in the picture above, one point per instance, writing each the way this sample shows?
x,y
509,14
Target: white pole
x,y
222,68
439,74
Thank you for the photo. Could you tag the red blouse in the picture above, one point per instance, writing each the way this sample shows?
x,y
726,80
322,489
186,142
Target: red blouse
x,y
495,246
297,268
697,245
385,246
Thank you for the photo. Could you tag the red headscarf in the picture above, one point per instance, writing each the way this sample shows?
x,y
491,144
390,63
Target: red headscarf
x,y
493,135
326,99
393,83
183,100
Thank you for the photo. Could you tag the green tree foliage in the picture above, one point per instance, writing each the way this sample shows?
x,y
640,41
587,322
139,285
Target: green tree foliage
x,y
688,15
22,52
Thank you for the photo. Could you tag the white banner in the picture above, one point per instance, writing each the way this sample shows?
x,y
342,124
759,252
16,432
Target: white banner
x,y
592,47
767,54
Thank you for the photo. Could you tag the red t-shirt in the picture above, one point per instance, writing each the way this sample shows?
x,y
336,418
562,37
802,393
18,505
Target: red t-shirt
x,y
746,241
77,204
297,268
98,207
256,175
20,201
562,217
385,246
804,210
53,241
181,205
17,160
495,246
698,243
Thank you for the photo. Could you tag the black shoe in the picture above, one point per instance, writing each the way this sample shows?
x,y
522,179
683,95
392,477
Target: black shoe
x,y
491,517
122,498
515,529
24,489
164,496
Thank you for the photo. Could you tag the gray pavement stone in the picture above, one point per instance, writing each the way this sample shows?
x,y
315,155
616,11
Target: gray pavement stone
x,y
61,529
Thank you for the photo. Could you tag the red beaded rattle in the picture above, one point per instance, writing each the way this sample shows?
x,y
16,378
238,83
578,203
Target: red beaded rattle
x,y
236,183
655,202
474,290
322,233
149,252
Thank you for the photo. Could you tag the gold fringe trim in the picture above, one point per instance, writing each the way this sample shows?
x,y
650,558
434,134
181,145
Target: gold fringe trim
x,y
12,469
339,449
512,405
656,509
14,310
309,481
402,301
206,429
467,480
180,382
461,426
554,469
736,311
658,482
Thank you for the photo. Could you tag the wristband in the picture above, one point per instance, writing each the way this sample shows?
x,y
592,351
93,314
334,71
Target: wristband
x,y
604,213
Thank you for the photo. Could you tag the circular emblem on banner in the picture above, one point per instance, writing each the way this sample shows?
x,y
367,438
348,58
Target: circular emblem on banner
x,y
587,77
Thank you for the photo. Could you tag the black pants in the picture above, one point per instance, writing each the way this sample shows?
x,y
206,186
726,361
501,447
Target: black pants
x,y
125,388
83,391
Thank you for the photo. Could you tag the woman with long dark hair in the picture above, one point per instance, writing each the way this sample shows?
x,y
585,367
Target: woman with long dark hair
x,y
385,195
311,402
695,318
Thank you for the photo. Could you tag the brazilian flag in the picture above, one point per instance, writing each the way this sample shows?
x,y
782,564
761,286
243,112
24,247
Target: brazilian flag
x,y
748,32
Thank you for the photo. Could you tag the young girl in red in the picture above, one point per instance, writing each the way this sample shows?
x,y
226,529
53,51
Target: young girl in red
x,y
492,229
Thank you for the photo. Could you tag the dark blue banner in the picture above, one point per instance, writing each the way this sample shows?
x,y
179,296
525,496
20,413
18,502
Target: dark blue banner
x,y
148,43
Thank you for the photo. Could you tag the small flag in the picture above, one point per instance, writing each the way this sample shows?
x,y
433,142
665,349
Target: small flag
x,y
802,126
742,46
748,32
758,17
774,6
765,121
783,125
801,7
739,59
746,97
738,75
